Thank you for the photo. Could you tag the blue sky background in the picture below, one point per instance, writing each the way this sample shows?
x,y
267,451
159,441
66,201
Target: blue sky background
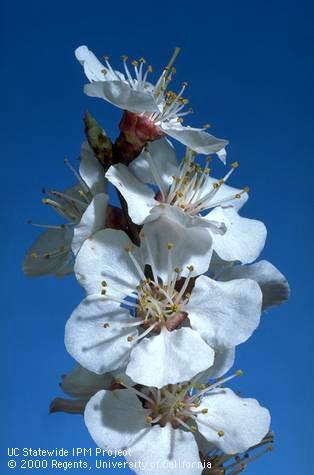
x,y
250,70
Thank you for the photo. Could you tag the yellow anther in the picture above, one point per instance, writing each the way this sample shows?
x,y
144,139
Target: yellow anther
x,y
127,249
130,338
239,372
103,292
204,411
134,63
246,189
270,448
142,60
104,283
150,69
193,428
215,185
142,235
106,58
190,268
234,165
179,193
174,308
119,381
170,246
106,325
104,71
221,182
177,270
201,386
238,196
173,70
220,433
206,126
34,255
208,159
124,57
149,419
206,170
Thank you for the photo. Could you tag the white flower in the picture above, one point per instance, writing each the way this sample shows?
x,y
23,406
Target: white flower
x,y
133,313
81,385
84,206
162,109
160,426
185,192
273,283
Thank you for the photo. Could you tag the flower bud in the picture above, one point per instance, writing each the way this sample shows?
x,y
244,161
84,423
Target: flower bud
x,y
98,140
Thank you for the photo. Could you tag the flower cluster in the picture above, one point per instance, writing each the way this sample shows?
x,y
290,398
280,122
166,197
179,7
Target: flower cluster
x,y
171,282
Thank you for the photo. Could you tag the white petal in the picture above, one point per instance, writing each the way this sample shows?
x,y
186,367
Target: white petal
x,y
217,266
181,354
243,421
204,446
225,313
93,219
114,418
196,139
191,246
70,406
274,285
222,155
121,95
224,360
244,239
103,257
96,335
93,68
50,242
164,450
92,171
139,197
164,157
82,383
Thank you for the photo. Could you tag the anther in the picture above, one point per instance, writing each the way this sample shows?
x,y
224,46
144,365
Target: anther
x,y
246,189
104,283
190,268
239,372
130,338
234,165
106,325
205,411
149,419
170,246
220,433
206,126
